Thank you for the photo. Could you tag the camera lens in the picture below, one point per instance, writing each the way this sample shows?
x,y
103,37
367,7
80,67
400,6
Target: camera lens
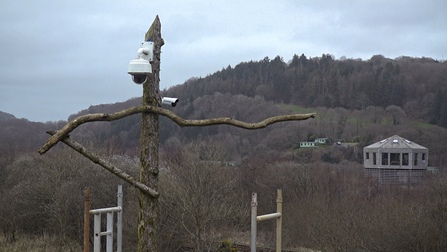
x,y
139,78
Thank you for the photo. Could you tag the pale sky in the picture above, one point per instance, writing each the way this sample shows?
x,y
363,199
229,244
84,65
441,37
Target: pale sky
x,y
58,57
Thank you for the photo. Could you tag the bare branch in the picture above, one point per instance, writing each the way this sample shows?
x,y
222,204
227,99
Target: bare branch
x,y
62,133
97,160
69,127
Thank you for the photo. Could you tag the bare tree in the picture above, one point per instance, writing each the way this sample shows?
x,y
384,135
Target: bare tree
x,y
200,193
397,114
39,196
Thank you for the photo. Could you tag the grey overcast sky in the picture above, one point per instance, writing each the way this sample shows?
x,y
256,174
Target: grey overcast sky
x,y
58,57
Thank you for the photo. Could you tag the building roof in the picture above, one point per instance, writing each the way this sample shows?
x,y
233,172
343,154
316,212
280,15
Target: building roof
x,y
395,142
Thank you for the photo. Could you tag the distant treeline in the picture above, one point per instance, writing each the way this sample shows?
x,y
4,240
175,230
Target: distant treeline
x,y
417,85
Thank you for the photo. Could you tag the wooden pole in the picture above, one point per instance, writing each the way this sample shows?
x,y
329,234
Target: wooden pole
x,y
87,219
148,206
279,221
254,214
119,220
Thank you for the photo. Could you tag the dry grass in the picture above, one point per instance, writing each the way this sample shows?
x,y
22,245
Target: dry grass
x,y
42,243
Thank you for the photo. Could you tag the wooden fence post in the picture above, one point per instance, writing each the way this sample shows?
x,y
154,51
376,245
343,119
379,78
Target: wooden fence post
x,y
87,219
279,221
254,214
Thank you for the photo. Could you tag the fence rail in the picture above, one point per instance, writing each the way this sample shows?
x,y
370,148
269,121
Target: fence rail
x,y
109,226
106,210
255,218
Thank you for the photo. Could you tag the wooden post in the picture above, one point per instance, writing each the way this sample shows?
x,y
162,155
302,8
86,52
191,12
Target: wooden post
x,y
255,218
279,221
254,214
87,219
148,207
119,220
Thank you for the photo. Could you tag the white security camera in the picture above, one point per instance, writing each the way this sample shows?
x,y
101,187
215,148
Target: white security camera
x,y
141,67
169,101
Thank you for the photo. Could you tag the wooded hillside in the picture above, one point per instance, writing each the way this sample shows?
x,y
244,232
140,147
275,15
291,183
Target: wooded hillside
x,y
417,85
355,100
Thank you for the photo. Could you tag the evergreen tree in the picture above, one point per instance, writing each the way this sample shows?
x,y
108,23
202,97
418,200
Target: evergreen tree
x,y
443,110
435,112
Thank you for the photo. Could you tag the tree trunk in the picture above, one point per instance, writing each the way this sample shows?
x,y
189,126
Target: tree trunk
x,y
148,206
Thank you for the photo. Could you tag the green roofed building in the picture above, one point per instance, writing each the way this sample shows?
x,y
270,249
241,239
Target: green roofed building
x,y
322,140
308,144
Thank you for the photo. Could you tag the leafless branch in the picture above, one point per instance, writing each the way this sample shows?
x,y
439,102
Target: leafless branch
x,y
97,160
62,133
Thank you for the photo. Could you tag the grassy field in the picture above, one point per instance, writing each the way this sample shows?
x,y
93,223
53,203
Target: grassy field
x,y
42,243
355,119
425,125
297,109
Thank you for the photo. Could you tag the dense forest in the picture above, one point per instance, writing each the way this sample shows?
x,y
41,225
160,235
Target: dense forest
x,y
329,204
417,85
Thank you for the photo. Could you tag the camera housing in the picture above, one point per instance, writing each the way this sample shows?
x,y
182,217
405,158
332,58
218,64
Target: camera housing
x,y
140,68
169,101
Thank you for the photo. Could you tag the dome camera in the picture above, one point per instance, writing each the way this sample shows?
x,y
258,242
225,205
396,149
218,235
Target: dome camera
x,y
140,68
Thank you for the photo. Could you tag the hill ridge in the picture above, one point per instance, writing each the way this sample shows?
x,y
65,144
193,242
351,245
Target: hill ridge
x,y
6,116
